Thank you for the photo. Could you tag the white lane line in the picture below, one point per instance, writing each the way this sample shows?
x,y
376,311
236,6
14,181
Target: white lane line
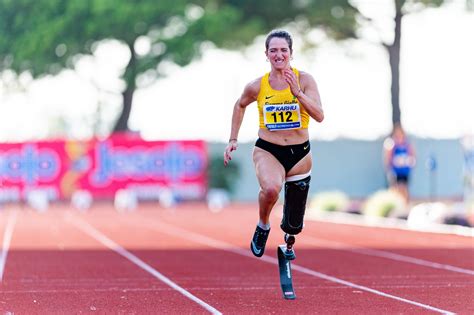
x,y
91,231
202,239
7,237
389,255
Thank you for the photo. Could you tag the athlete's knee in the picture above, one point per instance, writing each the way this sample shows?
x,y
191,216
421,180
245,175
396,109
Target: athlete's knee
x,y
271,191
296,194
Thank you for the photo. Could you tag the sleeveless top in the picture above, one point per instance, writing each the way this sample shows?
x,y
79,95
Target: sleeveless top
x,y
400,163
280,109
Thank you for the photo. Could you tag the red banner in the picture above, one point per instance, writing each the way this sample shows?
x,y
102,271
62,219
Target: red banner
x,y
102,167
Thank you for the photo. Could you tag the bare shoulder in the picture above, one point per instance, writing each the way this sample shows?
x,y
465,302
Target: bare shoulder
x,y
252,89
388,144
306,77
254,86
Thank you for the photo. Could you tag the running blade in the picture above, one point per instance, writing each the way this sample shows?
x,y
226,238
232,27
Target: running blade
x,y
286,280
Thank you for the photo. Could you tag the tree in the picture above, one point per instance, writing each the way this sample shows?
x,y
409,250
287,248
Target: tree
x,y
401,8
44,37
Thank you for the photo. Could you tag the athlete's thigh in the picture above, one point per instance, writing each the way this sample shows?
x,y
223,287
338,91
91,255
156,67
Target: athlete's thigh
x,y
268,169
302,167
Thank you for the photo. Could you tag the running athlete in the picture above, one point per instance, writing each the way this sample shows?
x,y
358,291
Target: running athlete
x,y
286,100
399,159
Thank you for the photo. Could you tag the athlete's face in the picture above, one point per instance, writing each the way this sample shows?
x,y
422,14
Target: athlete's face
x,y
278,53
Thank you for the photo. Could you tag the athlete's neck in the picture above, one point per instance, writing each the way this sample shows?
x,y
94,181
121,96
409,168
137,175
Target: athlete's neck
x,y
279,73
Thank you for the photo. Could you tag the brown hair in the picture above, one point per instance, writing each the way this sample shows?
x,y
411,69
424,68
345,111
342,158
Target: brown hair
x,y
279,34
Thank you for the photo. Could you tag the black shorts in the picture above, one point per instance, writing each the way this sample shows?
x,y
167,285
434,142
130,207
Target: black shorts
x,y
403,179
287,155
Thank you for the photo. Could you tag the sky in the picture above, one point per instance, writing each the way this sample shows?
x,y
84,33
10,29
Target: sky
x,y
195,102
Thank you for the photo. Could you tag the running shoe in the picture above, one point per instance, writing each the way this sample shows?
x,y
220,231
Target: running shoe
x,y
257,246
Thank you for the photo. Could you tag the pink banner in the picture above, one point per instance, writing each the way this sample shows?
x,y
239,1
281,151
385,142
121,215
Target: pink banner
x,y
104,166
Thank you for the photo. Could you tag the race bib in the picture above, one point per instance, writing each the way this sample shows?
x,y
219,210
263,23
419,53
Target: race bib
x,y
282,116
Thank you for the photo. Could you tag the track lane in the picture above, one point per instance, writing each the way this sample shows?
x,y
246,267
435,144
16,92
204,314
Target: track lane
x,y
53,267
418,245
237,283
159,226
431,285
106,241
214,278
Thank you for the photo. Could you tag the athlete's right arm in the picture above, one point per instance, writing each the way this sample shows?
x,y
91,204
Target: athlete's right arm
x,y
387,153
249,95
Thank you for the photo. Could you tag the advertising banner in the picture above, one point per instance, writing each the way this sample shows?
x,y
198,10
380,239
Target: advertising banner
x,y
102,167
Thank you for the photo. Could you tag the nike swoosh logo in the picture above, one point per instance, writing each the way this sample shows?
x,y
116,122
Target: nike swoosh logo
x,y
267,97
304,148
257,251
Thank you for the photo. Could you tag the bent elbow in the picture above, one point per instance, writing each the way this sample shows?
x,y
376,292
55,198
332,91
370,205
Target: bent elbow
x,y
320,117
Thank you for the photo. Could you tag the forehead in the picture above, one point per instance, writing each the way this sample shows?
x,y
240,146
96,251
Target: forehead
x,y
278,42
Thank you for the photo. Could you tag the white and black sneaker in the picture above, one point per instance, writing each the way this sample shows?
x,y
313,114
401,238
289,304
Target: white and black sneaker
x,y
257,245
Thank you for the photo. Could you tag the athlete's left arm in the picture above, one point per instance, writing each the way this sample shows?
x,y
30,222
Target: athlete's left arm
x,y
309,97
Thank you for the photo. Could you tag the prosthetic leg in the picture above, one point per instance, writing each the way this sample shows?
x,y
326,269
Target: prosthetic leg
x,y
296,194
286,281
294,208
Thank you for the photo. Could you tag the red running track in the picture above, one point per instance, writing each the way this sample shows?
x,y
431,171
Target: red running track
x,y
189,260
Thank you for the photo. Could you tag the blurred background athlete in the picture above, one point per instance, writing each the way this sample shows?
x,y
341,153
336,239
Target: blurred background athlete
x,y
399,160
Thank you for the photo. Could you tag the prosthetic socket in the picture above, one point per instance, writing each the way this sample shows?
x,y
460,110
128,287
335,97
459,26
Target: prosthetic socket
x,y
296,194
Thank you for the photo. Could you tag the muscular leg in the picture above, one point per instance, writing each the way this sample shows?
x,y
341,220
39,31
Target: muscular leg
x,y
403,190
271,175
302,167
